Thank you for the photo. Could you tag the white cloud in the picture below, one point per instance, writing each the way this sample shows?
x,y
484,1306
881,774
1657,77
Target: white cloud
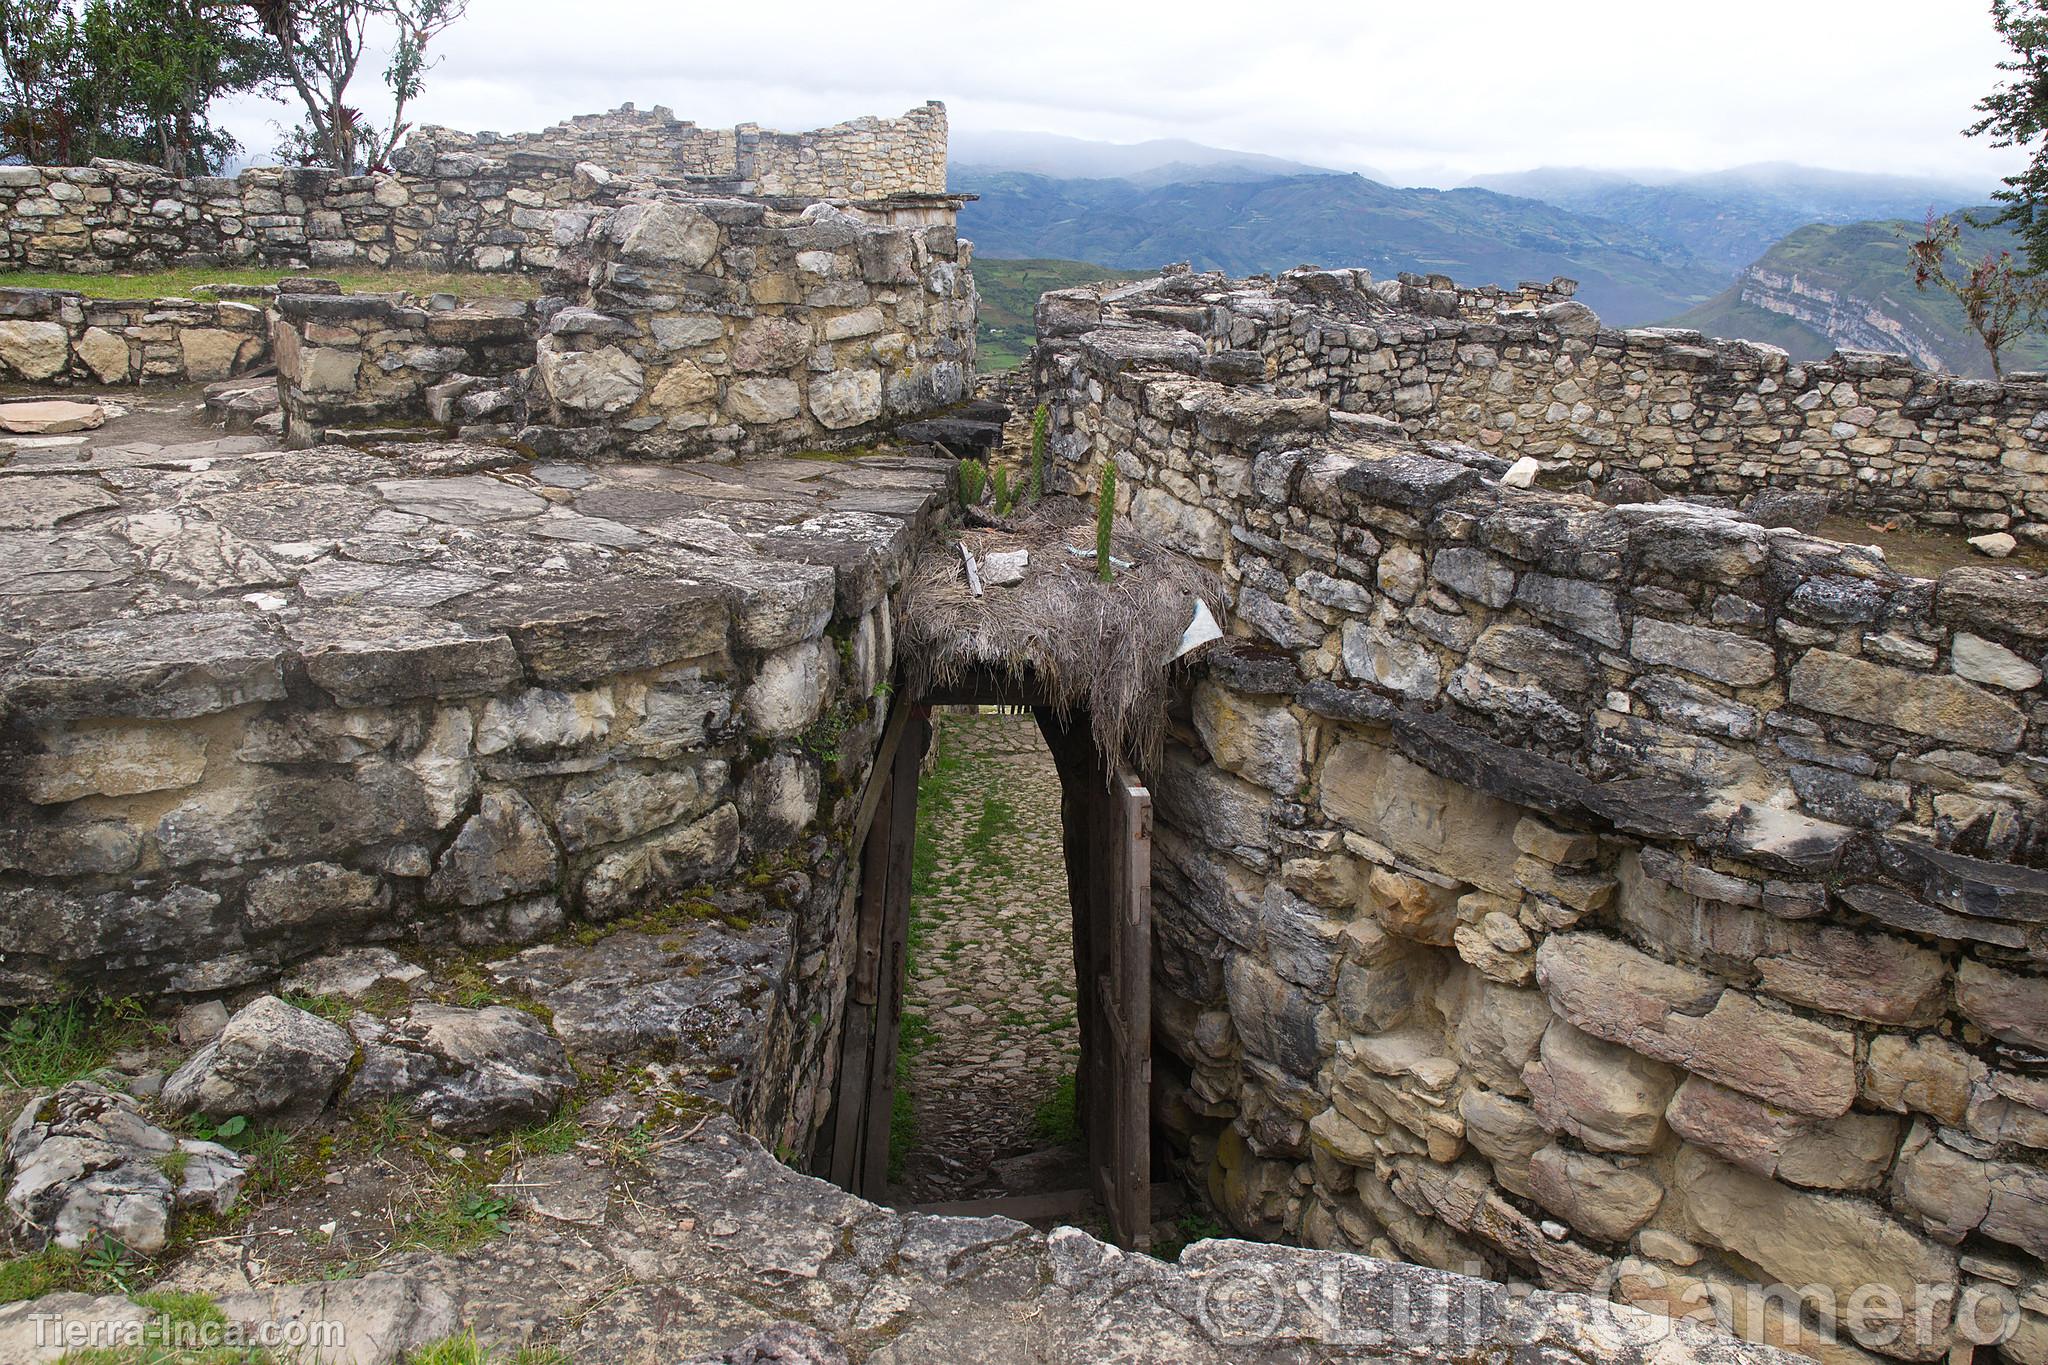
x,y
1429,91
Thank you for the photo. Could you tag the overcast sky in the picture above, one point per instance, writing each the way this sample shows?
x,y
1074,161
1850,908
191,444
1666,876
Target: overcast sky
x,y
1428,92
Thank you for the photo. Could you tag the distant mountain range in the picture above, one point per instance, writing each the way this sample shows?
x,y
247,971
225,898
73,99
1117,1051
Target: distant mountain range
x,y
1158,162
1250,226
1805,258
1851,285
1729,218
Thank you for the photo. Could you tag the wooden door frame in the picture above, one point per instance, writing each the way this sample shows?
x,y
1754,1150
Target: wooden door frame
x,y
1109,897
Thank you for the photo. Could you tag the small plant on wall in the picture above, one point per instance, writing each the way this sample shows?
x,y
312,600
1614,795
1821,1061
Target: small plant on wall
x,y
972,479
1105,515
1041,423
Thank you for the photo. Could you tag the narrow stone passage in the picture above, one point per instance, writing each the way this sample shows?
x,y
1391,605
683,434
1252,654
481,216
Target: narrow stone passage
x,y
990,1040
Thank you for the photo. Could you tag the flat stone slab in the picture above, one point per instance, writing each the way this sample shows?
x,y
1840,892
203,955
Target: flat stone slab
x,y
50,417
139,579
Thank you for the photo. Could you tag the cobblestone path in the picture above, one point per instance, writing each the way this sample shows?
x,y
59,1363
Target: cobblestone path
x,y
989,1031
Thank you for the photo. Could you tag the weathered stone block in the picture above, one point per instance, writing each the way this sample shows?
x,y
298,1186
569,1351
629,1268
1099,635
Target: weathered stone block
x,y
1931,704
1593,1194
1685,1018
120,760
1852,1152
1602,1094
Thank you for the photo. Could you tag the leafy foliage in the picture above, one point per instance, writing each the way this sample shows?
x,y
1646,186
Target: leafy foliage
x,y
321,45
1058,1118
1999,301
131,79
2015,114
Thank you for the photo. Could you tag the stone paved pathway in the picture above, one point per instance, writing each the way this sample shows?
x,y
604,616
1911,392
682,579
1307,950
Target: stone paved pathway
x,y
990,1026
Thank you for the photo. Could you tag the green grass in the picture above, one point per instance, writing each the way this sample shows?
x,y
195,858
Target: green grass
x,y
183,281
1195,1226
53,1270
1058,1118
467,1350
1006,329
45,1046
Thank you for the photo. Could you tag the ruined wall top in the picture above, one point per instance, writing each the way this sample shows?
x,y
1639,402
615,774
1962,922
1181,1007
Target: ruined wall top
x,y
864,158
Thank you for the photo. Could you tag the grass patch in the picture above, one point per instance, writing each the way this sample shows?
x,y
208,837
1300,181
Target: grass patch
x,y
52,1270
460,1217
1058,1117
1195,1226
45,1046
183,281
332,1008
467,1350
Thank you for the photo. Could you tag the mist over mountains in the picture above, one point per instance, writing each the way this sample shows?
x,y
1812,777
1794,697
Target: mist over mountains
x,y
1647,245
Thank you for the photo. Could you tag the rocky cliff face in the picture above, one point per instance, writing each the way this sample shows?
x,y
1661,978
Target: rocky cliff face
x,y
1851,322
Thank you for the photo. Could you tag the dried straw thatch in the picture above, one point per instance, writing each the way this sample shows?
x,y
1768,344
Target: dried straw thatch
x,y
1100,647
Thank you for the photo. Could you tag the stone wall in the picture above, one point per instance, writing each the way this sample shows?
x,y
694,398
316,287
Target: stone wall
x,y
864,159
1537,375
58,336
365,359
1629,898
729,325
259,705
454,211
452,201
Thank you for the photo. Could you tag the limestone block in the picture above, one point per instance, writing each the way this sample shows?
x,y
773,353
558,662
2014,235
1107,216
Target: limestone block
x,y
105,354
771,344
1602,1094
1684,1017
503,850
209,352
465,1072
1499,1032
1939,706
663,863
684,384
1275,1019
1593,1194
1411,907
762,401
1801,1238
1716,654
33,350
1376,655
1987,661
1435,823
1920,1073
790,690
316,893
1194,531
328,371
1506,1132
121,760
664,234
1259,742
778,800
272,1059
846,398
1852,1152
615,804
603,381
2005,1004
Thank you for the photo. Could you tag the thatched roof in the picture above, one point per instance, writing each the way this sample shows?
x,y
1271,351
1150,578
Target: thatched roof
x,y
1103,648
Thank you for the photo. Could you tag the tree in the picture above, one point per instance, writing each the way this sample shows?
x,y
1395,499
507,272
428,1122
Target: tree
x,y
2016,115
1999,299
131,79
321,45
175,57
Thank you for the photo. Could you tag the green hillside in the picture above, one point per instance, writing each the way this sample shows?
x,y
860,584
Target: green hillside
x,y
1246,227
1870,264
1009,299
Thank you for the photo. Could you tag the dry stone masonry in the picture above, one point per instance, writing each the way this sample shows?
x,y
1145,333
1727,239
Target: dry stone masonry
x,y
1531,372
450,200
1629,897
